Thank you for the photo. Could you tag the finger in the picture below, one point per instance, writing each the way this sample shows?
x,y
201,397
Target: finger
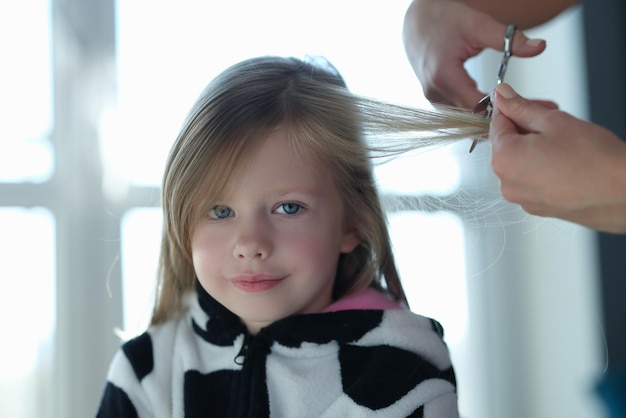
x,y
501,127
525,47
452,85
548,104
490,34
464,92
526,114
506,141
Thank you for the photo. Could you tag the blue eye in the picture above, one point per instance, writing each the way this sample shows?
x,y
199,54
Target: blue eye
x,y
289,208
220,212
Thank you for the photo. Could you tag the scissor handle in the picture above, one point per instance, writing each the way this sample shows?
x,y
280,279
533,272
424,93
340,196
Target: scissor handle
x,y
508,51
485,105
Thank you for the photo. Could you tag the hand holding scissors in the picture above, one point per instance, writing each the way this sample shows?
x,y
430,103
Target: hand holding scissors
x,y
484,105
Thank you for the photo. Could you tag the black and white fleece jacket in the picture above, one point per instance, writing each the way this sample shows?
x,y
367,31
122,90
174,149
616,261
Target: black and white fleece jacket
x,y
342,363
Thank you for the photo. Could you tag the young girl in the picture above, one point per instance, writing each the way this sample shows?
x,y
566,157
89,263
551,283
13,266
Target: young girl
x,y
278,293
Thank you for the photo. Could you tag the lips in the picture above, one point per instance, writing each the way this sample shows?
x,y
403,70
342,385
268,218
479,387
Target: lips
x,y
257,282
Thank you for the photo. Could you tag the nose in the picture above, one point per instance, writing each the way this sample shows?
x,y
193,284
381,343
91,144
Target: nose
x,y
253,240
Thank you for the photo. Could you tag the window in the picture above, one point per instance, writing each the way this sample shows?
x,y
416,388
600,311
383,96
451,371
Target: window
x,y
26,85
27,306
27,225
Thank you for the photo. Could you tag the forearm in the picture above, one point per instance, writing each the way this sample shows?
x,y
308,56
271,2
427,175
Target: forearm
x,y
611,216
523,13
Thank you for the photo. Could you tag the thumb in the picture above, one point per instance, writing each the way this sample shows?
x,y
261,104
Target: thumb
x,y
501,128
526,47
526,114
491,35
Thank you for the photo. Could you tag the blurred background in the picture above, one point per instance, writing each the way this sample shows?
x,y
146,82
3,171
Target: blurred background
x,y
92,94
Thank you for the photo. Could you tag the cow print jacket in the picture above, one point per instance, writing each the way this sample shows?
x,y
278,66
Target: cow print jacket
x,y
364,362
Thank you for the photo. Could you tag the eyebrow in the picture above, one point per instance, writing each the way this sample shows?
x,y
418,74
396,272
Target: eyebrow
x,y
308,191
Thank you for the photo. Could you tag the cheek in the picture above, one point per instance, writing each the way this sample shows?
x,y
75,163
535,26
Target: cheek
x,y
316,246
205,253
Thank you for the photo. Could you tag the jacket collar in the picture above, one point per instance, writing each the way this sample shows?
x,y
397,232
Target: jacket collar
x,y
217,325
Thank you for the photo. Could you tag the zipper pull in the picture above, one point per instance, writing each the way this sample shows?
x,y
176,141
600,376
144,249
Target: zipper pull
x,y
240,358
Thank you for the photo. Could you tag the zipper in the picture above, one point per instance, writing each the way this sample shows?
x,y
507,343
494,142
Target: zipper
x,y
241,356
251,397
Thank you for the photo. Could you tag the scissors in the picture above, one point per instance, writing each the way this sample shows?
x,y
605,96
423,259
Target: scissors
x,y
484,105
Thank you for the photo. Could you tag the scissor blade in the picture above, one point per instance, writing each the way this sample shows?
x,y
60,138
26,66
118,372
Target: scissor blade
x,y
483,105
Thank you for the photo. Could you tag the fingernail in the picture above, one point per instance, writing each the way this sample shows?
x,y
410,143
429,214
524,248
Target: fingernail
x,y
534,42
505,91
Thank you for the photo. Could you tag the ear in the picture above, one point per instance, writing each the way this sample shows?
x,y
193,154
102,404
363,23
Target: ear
x,y
351,239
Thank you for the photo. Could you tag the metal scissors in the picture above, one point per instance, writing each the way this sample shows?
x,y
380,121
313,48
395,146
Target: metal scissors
x,y
484,105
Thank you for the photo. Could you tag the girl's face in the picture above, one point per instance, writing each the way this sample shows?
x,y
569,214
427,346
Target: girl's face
x,y
268,248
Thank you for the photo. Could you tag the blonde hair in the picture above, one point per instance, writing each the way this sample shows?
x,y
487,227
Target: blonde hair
x,y
325,121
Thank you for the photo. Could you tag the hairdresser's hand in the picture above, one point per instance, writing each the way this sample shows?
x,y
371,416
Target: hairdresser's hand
x,y
555,165
440,35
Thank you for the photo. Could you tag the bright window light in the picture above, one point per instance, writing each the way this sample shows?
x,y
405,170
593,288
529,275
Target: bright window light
x,y
141,242
428,249
161,72
27,288
26,86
